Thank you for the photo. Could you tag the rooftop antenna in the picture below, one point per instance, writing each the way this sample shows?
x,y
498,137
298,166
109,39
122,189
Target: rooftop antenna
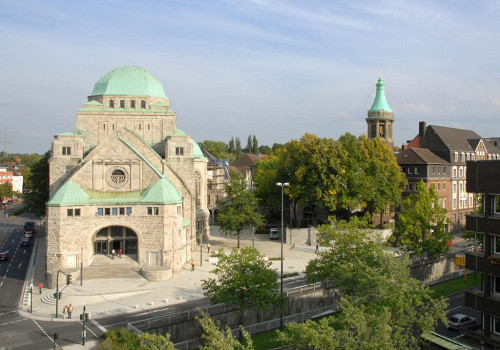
x,y
6,145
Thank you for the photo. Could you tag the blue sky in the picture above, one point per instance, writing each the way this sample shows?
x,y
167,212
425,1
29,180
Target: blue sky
x,y
274,69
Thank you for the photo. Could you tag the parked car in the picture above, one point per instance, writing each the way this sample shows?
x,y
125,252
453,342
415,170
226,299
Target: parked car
x,y
25,241
460,320
4,256
274,234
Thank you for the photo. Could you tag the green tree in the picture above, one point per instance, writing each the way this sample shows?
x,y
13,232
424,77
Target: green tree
x,y
6,190
36,193
237,148
382,307
244,280
265,179
255,145
28,160
217,148
265,150
238,209
231,147
422,225
218,339
123,339
249,147
383,174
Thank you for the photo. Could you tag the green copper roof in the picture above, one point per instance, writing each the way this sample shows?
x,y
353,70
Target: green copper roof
x,y
161,192
197,153
129,81
67,133
380,101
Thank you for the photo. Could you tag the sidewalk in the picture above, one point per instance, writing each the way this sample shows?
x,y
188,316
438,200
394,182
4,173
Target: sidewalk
x,y
109,294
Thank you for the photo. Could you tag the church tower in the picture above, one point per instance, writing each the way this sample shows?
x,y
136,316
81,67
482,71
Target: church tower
x,y
380,117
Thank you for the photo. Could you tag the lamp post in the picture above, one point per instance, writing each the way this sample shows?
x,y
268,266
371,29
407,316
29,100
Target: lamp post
x,y
282,184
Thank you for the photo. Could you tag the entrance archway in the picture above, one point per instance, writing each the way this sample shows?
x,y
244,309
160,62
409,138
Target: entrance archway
x,y
116,237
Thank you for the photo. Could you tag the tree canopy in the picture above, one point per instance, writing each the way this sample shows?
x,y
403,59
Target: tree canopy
x,y
238,209
36,189
382,307
422,225
222,339
245,280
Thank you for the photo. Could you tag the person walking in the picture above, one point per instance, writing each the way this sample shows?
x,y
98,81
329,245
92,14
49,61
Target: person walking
x,y
208,247
40,286
120,252
70,310
113,254
192,264
64,311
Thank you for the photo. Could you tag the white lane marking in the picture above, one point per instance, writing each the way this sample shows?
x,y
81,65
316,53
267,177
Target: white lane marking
x,y
456,308
1,283
20,264
48,336
11,322
98,325
5,313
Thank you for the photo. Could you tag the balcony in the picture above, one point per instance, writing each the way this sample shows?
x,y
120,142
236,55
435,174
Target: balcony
x,y
478,334
476,300
481,262
482,223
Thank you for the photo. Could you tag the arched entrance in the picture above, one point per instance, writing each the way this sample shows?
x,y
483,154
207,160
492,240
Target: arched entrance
x,y
116,237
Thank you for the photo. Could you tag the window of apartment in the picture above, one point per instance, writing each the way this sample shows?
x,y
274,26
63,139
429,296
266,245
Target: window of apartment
x,y
122,211
122,104
439,170
495,324
496,204
403,169
416,170
489,156
454,206
470,200
433,169
99,211
454,188
444,170
468,156
409,170
472,156
66,151
114,211
143,103
132,104
69,212
455,217
461,172
439,186
153,210
444,203
107,211
179,151
454,172
495,244
111,103
129,210
456,156
462,158
444,186
77,212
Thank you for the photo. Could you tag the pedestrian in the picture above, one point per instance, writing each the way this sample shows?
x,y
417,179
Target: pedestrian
x,y
40,286
208,247
64,311
70,310
317,247
120,251
112,253
192,264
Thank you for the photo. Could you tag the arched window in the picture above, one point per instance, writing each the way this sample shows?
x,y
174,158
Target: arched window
x,y
122,104
143,103
111,103
132,104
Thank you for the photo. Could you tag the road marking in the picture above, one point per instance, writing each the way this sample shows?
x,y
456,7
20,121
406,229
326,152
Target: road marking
x,y
11,322
5,313
19,265
1,284
98,325
48,336
456,308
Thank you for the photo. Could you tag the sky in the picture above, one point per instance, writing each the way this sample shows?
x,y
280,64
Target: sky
x,y
273,69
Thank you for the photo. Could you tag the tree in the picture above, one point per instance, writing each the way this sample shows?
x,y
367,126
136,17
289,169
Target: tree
x,y
36,193
217,339
231,147
249,147
255,145
217,148
422,225
238,209
265,180
385,179
29,160
244,280
122,338
265,149
382,307
237,149
6,190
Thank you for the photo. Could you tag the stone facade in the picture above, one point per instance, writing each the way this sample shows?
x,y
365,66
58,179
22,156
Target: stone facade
x,y
126,179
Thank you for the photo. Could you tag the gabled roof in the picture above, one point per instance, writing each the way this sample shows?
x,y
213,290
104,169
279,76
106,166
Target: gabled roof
x,y
212,160
451,138
418,156
248,159
162,192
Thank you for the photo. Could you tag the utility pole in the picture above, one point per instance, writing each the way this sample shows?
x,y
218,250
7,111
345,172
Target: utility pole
x,y
5,145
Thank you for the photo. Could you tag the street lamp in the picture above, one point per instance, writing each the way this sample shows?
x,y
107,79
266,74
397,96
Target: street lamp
x,y
282,184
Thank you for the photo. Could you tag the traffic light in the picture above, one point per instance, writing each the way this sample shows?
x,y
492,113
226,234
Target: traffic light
x,y
87,316
60,296
54,295
68,279
56,336
84,317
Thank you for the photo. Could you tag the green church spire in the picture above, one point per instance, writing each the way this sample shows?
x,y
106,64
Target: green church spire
x,y
380,101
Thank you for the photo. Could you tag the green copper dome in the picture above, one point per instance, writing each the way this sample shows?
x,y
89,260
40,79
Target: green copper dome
x,y
129,81
380,101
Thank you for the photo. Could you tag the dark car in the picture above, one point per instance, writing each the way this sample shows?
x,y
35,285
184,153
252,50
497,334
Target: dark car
x,y
25,241
460,320
4,256
29,228
274,234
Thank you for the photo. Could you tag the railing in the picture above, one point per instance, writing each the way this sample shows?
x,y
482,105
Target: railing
x,y
268,326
